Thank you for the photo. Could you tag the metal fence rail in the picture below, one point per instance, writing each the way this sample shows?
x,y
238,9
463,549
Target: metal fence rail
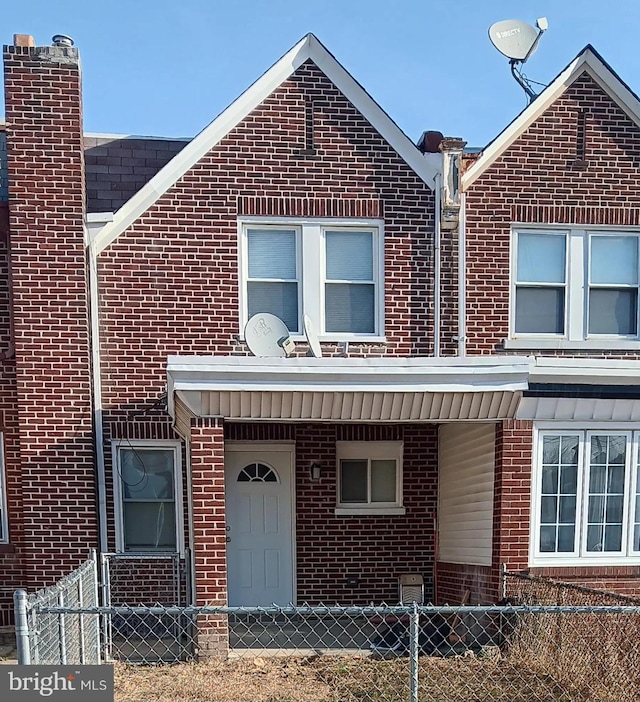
x,y
70,635
514,653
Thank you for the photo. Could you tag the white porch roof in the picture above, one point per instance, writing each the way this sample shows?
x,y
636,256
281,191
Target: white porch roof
x,y
345,389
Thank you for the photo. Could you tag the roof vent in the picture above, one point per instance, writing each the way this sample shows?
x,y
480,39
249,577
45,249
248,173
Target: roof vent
x,y
61,40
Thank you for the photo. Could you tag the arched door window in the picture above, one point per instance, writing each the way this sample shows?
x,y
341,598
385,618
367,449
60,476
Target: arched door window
x,y
257,473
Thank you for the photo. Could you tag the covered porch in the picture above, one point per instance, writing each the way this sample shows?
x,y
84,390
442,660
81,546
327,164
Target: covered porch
x,y
354,471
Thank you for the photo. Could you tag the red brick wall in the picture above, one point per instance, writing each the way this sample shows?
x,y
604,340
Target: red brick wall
x,y
622,579
169,284
536,180
375,550
46,206
10,560
454,579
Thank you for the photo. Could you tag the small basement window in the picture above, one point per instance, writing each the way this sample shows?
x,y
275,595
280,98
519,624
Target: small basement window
x,y
369,477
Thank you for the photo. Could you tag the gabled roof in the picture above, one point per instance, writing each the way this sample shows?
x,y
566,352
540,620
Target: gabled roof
x,y
588,60
307,48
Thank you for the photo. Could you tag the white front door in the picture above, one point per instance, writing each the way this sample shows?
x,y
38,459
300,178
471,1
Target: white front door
x,y
259,525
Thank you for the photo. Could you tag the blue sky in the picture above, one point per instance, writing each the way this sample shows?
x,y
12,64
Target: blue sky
x,y
161,67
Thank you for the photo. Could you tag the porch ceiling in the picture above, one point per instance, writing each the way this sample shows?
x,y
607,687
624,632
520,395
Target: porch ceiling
x,y
345,389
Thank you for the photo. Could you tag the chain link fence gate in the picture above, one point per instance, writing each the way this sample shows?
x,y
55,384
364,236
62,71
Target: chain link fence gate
x,y
157,580
69,636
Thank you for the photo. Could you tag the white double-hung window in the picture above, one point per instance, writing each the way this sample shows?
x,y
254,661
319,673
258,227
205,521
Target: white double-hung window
x,y
586,497
331,271
573,287
148,496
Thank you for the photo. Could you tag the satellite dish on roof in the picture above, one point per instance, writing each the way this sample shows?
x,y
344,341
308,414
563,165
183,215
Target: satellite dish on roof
x,y
267,336
518,41
514,39
312,337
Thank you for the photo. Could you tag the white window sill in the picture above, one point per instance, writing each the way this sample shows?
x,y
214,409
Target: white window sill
x,y
340,339
609,344
346,511
585,562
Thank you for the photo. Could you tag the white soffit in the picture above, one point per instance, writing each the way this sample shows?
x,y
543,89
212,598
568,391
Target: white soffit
x,y
307,48
585,409
373,390
588,60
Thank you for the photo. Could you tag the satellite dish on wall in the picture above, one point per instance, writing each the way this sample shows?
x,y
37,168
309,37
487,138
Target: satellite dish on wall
x,y
267,336
312,337
514,39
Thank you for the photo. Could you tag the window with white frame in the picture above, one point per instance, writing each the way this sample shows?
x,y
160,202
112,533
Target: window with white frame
x,y
580,285
586,500
4,522
331,271
369,477
148,496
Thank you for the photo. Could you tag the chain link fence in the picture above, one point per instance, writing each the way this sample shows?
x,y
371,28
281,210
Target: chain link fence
x,y
578,645
68,636
459,654
546,642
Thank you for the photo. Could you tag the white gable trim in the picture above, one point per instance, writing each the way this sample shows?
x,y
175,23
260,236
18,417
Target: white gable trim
x,y
587,61
308,48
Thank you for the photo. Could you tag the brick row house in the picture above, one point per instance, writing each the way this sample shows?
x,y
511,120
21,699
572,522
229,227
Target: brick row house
x,y
477,402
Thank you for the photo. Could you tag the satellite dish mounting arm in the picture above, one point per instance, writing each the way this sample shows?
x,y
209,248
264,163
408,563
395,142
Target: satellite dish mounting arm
x,y
532,95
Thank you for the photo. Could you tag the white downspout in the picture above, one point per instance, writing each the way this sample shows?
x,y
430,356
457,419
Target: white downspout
x,y
94,338
191,564
462,278
437,264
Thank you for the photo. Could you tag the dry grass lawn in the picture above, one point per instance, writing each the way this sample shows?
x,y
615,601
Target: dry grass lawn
x,y
335,680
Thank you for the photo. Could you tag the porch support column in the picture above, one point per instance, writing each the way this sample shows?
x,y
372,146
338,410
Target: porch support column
x,y
512,497
209,533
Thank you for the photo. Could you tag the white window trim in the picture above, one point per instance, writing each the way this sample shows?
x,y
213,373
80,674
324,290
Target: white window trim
x,y
310,252
118,444
4,519
371,450
584,558
576,292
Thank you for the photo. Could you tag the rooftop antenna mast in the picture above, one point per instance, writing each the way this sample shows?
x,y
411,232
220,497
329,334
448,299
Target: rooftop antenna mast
x,y
518,41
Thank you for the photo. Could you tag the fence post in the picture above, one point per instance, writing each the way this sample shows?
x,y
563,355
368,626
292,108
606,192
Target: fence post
x,y
503,578
106,602
20,603
61,631
414,651
95,619
81,622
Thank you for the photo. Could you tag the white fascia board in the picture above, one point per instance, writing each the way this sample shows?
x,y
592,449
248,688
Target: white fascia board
x,y
586,371
308,48
99,217
344,375
588,61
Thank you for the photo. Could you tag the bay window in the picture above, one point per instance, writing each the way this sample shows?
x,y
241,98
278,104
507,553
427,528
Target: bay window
x,y
586,499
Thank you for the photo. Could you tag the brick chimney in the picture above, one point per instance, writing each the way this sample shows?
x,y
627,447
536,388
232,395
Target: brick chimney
x,y
52,357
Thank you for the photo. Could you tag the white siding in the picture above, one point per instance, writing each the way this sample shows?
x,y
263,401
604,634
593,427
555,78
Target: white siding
x,y
465,493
